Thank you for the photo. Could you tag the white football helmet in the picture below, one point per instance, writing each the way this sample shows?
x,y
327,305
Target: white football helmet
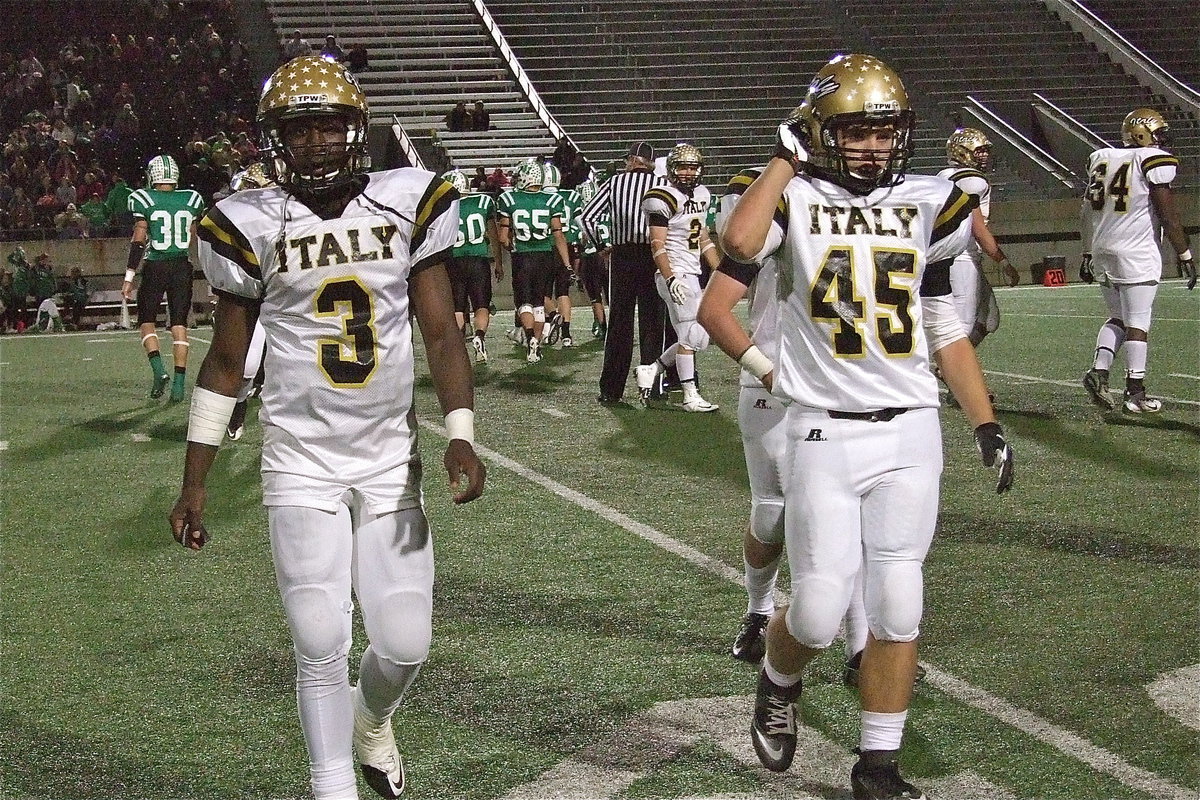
x,y
458,179
528,176
551,176
162,169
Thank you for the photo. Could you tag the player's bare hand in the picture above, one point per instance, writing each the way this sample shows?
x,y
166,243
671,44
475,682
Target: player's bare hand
x,y
187,518
461,462
768,380
127,290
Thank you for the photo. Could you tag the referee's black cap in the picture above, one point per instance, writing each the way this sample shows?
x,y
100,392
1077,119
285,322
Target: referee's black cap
x,y
642,150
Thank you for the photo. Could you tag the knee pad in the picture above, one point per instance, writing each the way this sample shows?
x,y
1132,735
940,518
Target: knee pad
x,y
766,521
319,621
894,603
402,627
814,617
693,336
524,308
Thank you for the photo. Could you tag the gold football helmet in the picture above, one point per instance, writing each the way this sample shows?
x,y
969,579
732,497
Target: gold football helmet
x,y
968,147
684,155
252,177
855,90
1144,127
304,87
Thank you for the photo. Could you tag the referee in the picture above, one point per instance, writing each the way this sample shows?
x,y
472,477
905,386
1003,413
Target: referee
x,y
631,273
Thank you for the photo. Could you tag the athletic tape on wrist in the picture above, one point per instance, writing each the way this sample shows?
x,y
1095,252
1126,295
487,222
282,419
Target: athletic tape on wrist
x,y
659,252
755,362
209,416
707,247
1186,255
460,424
129,275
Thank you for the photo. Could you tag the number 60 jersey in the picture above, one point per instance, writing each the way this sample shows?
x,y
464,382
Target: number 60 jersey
x,y
852,270
337,404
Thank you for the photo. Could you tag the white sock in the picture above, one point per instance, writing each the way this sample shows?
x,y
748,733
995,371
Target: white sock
x,y
760,587
1135,360
667,358
882,731
1108,341
777,677
327,719
685,365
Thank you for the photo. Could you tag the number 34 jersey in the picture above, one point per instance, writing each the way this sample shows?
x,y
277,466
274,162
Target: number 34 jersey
x,y
852,270
334,292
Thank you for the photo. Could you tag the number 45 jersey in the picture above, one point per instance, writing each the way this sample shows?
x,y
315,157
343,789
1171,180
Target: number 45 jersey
x,y
852,270
1125,229
337,403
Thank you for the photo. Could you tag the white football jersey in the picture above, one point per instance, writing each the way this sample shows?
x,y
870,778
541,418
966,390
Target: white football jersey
x,y
334,293
851,269
686,217
976,184
763,315
1124,226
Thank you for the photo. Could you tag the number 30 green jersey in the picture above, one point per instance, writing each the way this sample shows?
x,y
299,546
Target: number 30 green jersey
x,y
169,215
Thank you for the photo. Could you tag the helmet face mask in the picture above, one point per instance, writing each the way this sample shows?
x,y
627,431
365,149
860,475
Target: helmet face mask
x,y
162,169
685,157
1145,127
853,103
312,121
968,147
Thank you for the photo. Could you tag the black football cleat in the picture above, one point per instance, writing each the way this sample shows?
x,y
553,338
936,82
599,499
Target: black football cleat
x,y
750,644
773,730
876,776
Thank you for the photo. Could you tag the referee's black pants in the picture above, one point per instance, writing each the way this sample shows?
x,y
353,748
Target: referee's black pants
x,y
630,288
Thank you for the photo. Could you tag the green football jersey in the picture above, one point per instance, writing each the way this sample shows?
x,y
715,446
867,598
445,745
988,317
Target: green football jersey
x,y
572,204
602,231
170,216
529,215
474,211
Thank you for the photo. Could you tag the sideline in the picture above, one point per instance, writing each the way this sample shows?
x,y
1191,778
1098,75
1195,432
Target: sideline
x,y
1059,738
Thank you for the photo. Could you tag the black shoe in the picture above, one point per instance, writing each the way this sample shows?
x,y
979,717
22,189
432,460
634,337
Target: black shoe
x,y
606,400
876,776
773,730
750,644
854,664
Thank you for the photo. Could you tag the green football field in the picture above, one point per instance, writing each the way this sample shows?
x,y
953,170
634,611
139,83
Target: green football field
x,y
584,606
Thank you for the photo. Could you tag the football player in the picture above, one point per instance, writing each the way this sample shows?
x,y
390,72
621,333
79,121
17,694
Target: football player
x,y
863,286
593,270
1127,199
678,215
164,221
558,287
336,261
530,222
470,271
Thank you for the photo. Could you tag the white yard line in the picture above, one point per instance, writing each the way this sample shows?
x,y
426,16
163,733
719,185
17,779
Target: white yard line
x,y
1181,375
554,412
1096,317
1059,738
1077,384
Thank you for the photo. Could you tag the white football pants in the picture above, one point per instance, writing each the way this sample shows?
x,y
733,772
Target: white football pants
x,y
859,493
320,557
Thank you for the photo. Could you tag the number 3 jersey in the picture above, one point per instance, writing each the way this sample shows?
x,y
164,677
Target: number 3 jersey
x,y
1125,228
337,403
851,272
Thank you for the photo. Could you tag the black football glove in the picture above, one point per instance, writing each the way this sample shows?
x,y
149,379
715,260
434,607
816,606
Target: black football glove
x,y
1188,267
996,452
788,144
1085,269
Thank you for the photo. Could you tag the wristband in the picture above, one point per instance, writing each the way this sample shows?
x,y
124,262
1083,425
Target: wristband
x,y
755,362
1186,255
129,275
209,416
460,424
707,247
659,252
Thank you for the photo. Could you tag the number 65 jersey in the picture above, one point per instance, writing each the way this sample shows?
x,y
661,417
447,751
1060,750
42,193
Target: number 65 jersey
x,y
852,270
337,403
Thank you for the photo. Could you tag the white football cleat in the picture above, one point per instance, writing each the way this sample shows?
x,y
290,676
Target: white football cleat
x,y
567,341
516,335
646,373
692,401
481,355
1141,403
535,352
378,757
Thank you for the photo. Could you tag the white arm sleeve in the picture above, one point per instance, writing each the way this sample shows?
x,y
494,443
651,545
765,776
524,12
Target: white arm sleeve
x,y
941,322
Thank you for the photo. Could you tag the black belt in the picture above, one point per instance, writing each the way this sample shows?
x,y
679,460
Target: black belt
x,y
882,415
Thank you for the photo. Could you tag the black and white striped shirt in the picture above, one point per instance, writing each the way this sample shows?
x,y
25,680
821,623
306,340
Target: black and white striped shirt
x,y
621,200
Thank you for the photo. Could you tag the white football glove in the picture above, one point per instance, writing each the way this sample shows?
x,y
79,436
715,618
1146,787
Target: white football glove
x,y
679,292
787,143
